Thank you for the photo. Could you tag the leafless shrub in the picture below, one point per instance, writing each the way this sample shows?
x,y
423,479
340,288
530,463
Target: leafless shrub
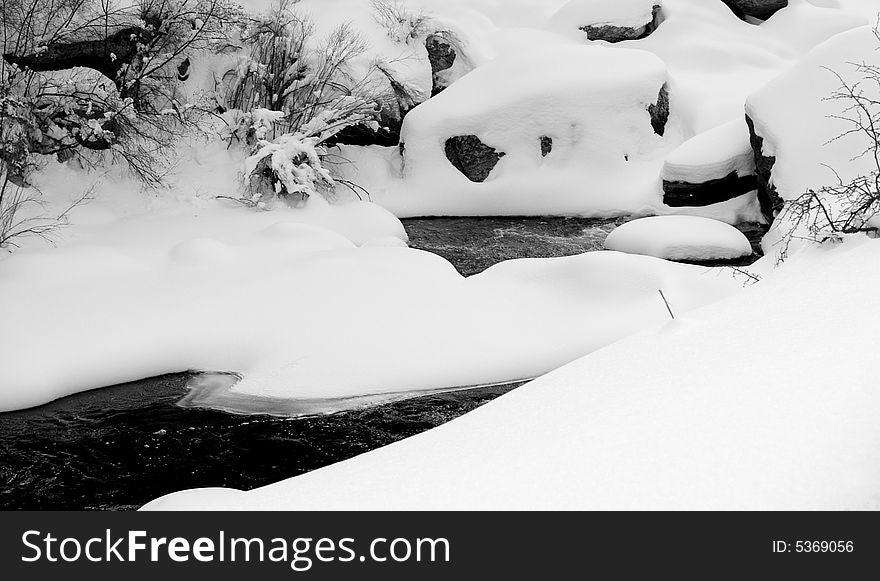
x,y
847,206
23,214
401,23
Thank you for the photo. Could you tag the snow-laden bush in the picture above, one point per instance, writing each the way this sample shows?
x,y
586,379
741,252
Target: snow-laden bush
x,y
294,166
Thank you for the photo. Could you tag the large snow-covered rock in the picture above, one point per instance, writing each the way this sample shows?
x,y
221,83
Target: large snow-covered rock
x,y
685,238
716,60
610,20
539,129
804,136
711,167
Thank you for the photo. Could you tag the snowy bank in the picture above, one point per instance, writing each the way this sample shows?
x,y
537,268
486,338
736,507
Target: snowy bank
x,y
301,312
767,400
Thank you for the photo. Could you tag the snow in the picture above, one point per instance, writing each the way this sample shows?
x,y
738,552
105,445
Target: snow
x,y
757,398
620,13
592,103
767,400
711,62
680,238
800,124
712,154
285,304
803,25
811,134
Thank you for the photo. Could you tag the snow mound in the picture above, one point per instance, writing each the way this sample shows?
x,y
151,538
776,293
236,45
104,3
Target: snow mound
x,y
766,401
688,238
285,310
712,154
803,25
618,13
800,125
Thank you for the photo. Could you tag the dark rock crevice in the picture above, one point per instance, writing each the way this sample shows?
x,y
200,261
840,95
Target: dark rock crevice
x,y
771,202
686,194
473,158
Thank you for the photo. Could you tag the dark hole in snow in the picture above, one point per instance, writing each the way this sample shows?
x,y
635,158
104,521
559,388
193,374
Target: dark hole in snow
x,y
546,145
183,69
472,157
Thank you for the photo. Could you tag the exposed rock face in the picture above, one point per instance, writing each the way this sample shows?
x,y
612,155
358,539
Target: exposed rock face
x,y
441,56
771,202
762,9
546,146
660,112
610,33
472,157
678,194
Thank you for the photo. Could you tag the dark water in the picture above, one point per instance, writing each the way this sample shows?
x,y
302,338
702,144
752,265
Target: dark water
x,y
119,447
475,244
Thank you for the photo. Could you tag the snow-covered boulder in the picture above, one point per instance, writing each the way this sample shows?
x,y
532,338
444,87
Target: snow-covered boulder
x,y
803,138
686,238
762,9
610,20
562,107
711,167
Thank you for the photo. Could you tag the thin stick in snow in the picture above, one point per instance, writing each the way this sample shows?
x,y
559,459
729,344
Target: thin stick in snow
x,y
665,302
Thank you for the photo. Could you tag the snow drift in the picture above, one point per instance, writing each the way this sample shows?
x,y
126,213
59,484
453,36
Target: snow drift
x,y
765,401
688,238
